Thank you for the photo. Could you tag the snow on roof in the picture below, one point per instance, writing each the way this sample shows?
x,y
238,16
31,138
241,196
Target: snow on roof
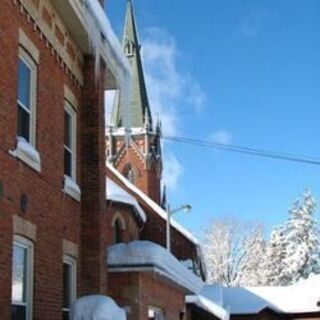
x,y
160,211
146,253
208,305
118,194
96,307
253,300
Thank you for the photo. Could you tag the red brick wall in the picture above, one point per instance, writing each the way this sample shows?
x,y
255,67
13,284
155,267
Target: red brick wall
x,y
141,290
55,215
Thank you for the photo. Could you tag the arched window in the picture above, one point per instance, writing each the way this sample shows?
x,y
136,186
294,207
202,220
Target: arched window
x,y
117,231
129,48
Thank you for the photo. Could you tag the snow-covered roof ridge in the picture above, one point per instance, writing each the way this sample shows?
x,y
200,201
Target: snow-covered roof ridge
x,y
160,211
118,194
147,253
208,305
96,307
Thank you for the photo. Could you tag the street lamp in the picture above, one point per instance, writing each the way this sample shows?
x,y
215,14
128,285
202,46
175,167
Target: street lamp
x,y
186,208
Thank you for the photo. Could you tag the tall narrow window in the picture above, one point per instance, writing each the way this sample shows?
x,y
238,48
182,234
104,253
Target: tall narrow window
x,y
22,279
69,285
26,98
117,231
70,142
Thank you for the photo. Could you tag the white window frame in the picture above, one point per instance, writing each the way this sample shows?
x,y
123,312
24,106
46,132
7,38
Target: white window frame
x,y
26,150
25,57
73,114
70,183
29,246
67,259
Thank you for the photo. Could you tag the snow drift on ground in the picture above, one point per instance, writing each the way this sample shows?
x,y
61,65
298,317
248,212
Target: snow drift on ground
x,y
96,307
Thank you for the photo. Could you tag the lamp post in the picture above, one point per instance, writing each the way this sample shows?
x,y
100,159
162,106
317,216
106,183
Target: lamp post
x,y
170,212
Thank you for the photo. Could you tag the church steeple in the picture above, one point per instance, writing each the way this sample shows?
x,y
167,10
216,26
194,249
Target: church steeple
x,y
140,158
139,110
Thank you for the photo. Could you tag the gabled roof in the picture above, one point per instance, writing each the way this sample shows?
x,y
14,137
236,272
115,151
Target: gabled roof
x,y
118,194
153,205
139,114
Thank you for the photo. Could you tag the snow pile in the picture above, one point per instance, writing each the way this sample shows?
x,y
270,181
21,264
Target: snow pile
x,y
154,206
105,43
146,253
96,307
117,194
208,305
253,300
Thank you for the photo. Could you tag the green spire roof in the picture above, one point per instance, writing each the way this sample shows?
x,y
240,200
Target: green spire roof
x,y
139,109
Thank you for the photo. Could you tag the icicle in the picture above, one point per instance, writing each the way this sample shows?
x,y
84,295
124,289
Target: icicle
x,y
105,43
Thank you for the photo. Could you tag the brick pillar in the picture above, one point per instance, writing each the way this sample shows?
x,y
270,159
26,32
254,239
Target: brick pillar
x,y
93,278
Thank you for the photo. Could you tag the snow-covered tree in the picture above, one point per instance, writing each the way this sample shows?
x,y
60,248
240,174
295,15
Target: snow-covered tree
x,y
293,252
234,252
302,240
275,254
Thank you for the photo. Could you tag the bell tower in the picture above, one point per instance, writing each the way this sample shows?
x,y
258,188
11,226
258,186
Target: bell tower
x,y
137,153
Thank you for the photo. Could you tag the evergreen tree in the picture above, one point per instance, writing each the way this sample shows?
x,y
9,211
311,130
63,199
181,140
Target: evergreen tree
x,y
293,251
302,240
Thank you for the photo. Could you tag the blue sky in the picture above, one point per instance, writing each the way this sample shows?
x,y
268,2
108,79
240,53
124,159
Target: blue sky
x,y
242,72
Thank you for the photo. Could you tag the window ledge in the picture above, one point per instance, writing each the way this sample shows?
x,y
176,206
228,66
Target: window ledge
x,y
27,153
71,188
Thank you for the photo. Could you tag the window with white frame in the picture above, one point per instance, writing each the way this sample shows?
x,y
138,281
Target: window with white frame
x,y
70,132
26,97
69,285
22,279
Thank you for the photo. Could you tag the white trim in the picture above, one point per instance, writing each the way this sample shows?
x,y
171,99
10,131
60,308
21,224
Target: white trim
x,y
70,97
28,45
29,246
26,58
71,261
73,115
27,153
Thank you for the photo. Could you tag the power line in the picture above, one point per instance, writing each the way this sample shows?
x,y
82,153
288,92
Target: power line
x,y
246,150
